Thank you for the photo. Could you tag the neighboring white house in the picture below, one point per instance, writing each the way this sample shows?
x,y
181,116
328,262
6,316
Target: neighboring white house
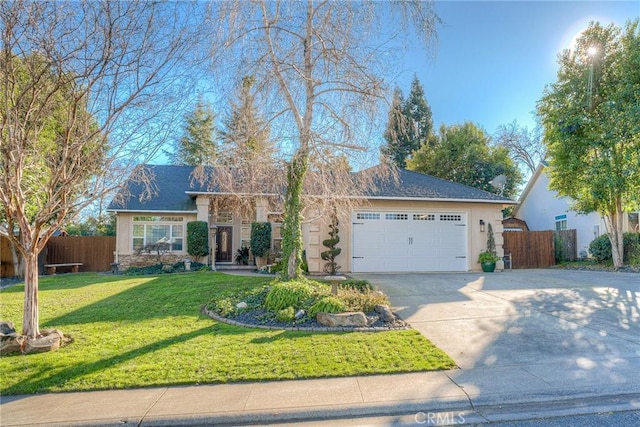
x,y
543,209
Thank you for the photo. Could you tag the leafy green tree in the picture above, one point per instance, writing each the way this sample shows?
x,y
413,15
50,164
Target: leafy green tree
x,y
81,92
48,159
463,154
197,145
103,225
592,126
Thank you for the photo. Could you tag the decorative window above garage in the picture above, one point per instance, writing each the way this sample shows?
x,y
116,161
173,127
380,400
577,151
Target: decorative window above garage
x,y
396,216
424,217
368,215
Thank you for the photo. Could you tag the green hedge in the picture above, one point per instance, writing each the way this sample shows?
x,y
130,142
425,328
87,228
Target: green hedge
x,y
600,248
260,238
198,239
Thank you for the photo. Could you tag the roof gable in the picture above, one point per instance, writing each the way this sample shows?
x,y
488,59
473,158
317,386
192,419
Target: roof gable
x,y
166,191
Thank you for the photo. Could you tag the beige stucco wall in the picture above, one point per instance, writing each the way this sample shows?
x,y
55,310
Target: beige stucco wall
x,y
124,254
316,231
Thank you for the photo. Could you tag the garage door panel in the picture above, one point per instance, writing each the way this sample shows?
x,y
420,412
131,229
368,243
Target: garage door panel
x,y
406,241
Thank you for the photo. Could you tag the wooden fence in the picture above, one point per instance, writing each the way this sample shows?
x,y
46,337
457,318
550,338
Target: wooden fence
x,y
6,258
530,249
94,252
566,244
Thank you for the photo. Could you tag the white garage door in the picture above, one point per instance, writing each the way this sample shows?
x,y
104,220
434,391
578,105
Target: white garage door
x,y
409,241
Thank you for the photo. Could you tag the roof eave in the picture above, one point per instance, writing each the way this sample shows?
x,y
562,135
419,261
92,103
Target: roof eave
x,y
437,199
217,193
172,211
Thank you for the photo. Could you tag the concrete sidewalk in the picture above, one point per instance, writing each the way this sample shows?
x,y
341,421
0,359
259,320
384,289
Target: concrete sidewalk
x,y
530,344
409,397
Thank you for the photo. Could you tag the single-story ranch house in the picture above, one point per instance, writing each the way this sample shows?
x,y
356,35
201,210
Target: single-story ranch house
x,y
416,223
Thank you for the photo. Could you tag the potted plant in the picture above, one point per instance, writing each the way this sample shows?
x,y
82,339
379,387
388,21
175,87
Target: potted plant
x,y
242,256
488,257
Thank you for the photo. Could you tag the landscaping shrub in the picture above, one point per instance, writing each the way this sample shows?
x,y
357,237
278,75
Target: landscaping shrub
x,y
558,248
327,304
600,248
178,267
632,248
260,238
198,239
294,293
286,315
332,252
362,301
359,285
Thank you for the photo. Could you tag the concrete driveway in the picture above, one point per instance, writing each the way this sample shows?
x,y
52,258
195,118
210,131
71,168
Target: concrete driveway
x,y
539,328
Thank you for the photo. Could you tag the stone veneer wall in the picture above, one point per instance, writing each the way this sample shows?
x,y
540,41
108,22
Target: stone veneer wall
x,y
145,260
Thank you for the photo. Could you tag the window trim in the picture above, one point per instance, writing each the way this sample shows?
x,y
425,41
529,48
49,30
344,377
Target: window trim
x,y
158,220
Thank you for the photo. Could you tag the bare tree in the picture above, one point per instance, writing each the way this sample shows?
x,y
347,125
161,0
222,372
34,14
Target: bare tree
x,y
89,89
324,62
525,146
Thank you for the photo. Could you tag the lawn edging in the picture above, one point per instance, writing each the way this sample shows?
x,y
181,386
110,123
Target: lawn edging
x,y
222,319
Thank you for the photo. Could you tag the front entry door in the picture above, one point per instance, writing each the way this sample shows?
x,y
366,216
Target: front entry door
x,y
223,244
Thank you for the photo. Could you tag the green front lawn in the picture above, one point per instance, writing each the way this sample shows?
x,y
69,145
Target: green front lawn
x,y
148,331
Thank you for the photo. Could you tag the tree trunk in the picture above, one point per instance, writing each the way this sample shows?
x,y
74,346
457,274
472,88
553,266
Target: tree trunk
x,y
30,322
292,228
613,223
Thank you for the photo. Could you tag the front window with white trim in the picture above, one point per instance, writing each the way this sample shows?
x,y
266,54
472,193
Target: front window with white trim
x,y
158,230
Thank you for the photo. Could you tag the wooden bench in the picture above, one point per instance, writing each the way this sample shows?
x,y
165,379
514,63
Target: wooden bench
x,y
51,268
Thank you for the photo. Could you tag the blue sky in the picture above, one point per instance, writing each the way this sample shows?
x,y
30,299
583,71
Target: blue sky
x,y
493,59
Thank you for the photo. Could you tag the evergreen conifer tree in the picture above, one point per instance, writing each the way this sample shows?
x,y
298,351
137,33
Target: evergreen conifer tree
x,y
246,135
197,146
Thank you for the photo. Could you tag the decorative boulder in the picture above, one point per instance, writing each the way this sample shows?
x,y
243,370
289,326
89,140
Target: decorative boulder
x,y
10,340
357,319
49,340
242,305
7,328
385,313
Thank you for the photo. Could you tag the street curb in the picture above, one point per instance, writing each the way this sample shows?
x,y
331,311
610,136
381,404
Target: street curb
x,y
446,409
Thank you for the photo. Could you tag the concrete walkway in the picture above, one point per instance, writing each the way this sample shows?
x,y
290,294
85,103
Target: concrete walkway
x,y
528,343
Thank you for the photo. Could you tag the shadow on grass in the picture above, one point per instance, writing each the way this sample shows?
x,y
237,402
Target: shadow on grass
x,y
155,297
40,381
282,335
65,281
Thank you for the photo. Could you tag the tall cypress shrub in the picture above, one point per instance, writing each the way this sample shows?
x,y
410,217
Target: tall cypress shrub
x,y
260,238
